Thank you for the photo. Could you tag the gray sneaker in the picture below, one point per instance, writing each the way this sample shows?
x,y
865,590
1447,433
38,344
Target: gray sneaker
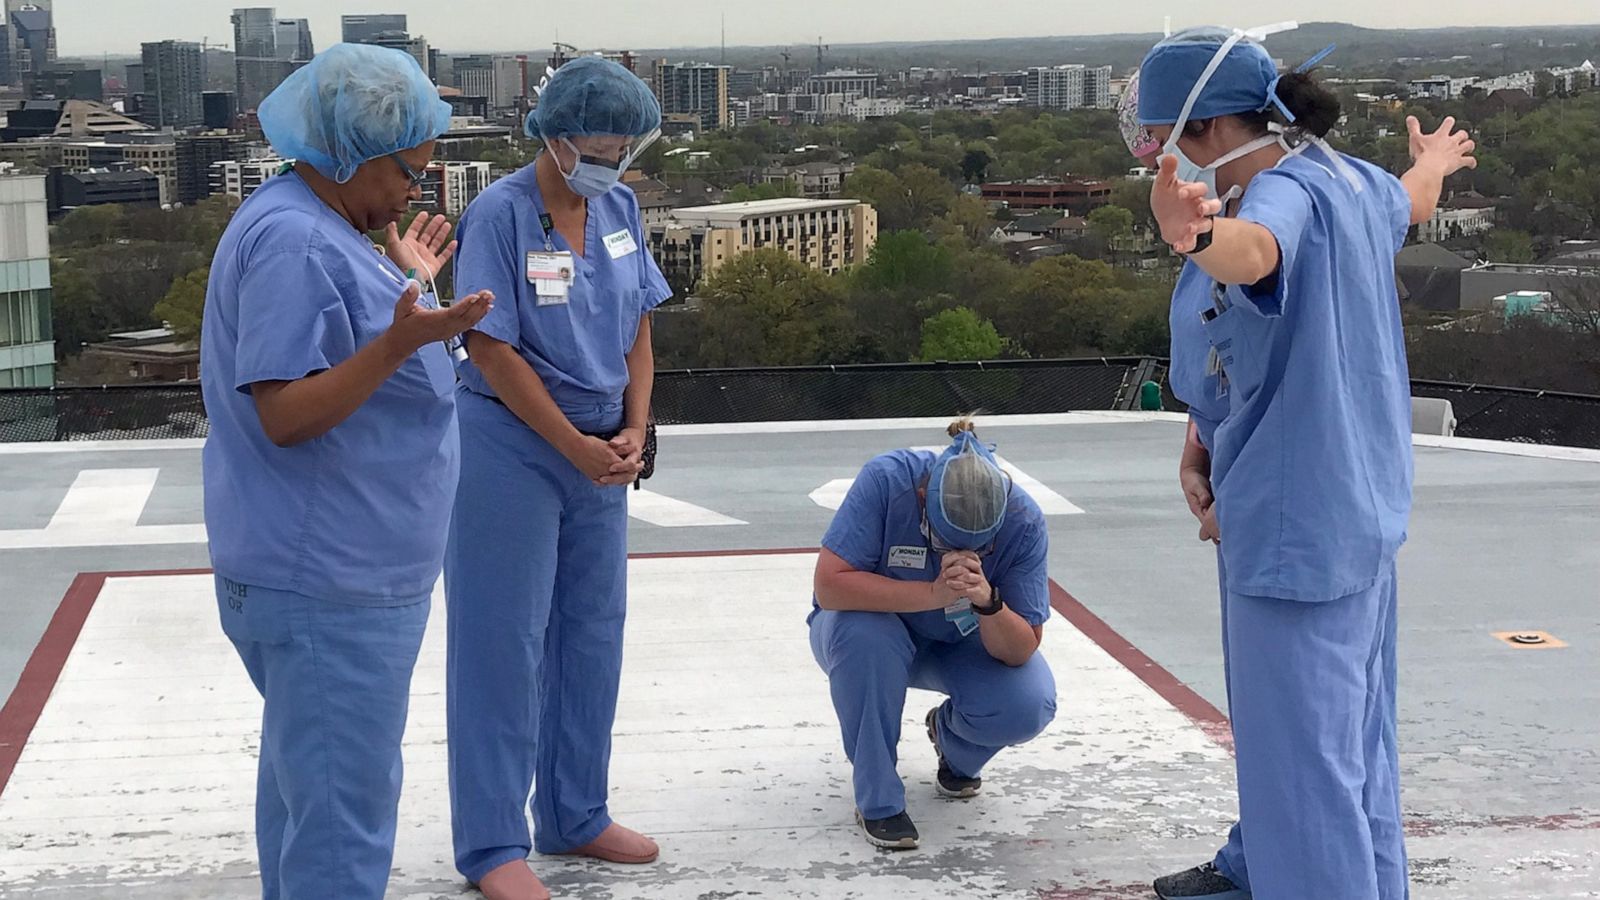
x,y
1199,883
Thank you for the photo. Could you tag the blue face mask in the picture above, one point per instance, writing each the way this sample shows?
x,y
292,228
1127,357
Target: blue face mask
x,y
591,178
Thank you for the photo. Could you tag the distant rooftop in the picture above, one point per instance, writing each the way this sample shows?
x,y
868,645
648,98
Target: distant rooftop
x,y
782,206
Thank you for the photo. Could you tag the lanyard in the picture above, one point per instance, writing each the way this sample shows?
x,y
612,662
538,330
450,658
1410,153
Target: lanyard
x,y
547,225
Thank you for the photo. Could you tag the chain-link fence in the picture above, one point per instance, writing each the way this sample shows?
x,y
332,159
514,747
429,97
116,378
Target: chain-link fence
x,y
152,412
894,391
1524,416
121,412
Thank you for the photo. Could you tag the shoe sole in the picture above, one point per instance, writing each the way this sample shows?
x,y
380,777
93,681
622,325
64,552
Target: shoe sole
x,y
1234,894
933,738
963,794
880,843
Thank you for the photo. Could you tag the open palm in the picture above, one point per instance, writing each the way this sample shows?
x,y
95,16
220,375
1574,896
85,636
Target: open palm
x,y
426,245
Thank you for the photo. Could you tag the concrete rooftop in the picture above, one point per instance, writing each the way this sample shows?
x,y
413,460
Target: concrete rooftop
x,y
127,743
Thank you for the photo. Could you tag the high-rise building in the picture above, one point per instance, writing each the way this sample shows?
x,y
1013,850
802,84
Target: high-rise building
x,y
59,83
255,55
697,89
220,108
1069,87
197,153
362,29
511,77
1097,88
449,186
240,178
864,84
293,40
1055,87
133,79
474,77
415,47
172,85
27,348
30,39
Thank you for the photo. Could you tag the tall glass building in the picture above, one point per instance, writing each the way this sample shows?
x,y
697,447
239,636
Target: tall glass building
x,y
27,348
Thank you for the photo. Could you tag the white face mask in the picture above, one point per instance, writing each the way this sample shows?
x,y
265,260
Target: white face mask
x,y
1188,170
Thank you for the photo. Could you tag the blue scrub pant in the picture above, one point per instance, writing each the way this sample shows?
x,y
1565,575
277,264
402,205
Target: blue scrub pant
x,y
536,588
336,679
1311,692
872,658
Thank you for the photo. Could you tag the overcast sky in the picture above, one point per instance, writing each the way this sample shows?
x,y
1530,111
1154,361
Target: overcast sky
x,y
93,27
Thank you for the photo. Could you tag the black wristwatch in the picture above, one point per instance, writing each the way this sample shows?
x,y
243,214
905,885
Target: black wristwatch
x,y
1203,239
995,604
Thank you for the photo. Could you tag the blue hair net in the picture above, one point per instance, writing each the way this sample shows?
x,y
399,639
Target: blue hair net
x,y
592,95
967,494
1243,83
353,103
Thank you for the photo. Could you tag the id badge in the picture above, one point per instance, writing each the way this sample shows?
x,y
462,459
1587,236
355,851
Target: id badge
x,y
960,614
551,273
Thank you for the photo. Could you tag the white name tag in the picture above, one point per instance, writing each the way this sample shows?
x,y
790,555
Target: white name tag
x,y
908,557
621,244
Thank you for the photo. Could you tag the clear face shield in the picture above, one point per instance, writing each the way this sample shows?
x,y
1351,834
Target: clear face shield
x,y
600,160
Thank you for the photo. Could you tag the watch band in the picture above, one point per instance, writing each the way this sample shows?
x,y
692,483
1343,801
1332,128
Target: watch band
x,y
1203,239
995,603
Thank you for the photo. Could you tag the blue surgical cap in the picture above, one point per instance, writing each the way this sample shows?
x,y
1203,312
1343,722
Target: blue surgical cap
x,y
967,494
1243,83
592,95
353,103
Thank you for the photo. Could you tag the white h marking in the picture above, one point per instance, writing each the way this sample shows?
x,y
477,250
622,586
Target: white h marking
x,y
102,509
657,509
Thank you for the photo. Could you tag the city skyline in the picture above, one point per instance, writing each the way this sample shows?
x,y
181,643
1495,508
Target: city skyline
x,y
118,28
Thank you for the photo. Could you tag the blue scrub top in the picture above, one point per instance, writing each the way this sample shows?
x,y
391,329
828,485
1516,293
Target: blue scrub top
x,y
577,348
878,529
359,514
1309,418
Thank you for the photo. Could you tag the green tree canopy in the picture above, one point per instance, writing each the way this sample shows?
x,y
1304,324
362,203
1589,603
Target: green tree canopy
x,y
959,334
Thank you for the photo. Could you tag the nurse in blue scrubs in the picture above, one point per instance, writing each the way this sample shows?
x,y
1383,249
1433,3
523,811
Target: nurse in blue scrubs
x,y
554,406
1287,346
330,467
932,575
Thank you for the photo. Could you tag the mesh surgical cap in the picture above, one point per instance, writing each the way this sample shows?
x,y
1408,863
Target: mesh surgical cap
x,y
351,104
967,494
592,95
1242,83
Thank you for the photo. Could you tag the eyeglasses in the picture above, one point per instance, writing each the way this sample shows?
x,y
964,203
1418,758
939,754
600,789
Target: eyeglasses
x,y
416,178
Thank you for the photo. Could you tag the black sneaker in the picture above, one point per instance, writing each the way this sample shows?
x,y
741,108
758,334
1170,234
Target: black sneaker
x,y
1199,883
894,833
950,784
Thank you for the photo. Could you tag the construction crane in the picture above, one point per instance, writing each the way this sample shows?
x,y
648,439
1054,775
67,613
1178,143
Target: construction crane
x,y
561,56
820,48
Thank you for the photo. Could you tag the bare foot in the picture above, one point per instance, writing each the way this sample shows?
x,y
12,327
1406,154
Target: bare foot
x,y
620,845
513,881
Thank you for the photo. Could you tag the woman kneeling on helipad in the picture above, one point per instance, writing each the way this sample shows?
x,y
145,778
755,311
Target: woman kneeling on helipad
x,y
932,575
